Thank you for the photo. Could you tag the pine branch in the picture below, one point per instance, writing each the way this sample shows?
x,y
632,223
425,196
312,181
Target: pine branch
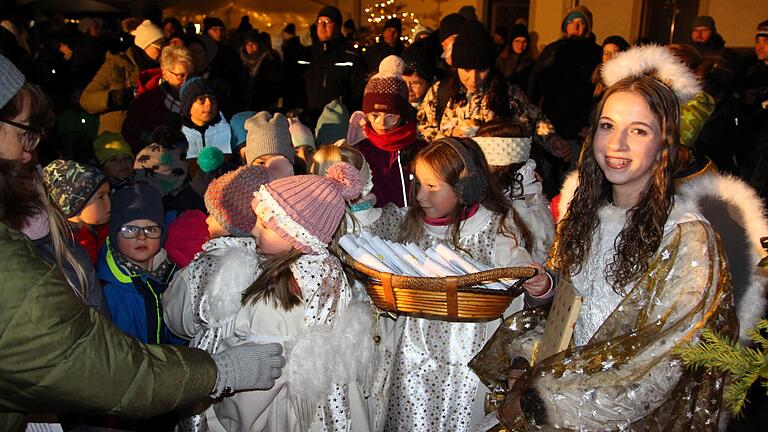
x,y
743,365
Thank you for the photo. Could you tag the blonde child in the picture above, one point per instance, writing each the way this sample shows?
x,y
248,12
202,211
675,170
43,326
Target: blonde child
x,y
81,193
301,298
361,211
431,387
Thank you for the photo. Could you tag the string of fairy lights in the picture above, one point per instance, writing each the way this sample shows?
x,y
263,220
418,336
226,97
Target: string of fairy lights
x,y
378,13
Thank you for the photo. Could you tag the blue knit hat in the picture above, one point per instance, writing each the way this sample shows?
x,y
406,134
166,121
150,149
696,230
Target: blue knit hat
x,y
11,80
237,125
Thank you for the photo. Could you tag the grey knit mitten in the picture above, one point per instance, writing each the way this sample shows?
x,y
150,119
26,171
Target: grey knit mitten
x,y
247,367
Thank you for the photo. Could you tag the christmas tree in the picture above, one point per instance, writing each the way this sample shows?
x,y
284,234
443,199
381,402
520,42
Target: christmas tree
x,y
378,13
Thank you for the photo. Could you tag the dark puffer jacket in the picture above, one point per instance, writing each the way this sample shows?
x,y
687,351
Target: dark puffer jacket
x,y
334,72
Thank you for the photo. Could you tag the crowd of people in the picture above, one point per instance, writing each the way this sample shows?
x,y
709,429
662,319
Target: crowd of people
x,y
171,205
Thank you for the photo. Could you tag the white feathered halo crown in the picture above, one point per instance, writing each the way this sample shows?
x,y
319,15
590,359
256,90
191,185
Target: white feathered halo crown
x,y
656,61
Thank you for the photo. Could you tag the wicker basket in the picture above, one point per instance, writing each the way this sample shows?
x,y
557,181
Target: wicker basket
x,y
452,298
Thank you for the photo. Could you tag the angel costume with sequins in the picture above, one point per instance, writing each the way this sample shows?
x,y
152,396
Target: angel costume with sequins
x,y
621,373
328,346
327,342
430,387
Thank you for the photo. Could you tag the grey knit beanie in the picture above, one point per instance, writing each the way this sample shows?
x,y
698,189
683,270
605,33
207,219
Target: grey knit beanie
x,y
268,134
11,80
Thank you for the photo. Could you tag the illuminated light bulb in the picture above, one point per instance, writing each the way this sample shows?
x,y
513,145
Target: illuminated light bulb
x,y
82,120
53,71
363,49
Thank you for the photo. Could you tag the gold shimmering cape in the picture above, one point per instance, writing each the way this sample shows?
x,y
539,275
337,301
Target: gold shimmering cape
x,y
625,377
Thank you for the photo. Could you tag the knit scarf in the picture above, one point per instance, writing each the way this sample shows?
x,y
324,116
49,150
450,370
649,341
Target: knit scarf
x,y
171,99
160,274
393,141
445,221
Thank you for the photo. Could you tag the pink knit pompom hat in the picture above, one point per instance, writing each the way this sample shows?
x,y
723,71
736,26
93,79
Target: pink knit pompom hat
x,y
306,210
226,199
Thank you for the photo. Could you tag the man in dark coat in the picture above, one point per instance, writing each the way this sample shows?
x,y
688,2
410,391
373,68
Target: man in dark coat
x,y
389,44
335,71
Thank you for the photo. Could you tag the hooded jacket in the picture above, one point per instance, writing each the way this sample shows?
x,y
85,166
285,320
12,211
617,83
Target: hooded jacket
x,y
58,356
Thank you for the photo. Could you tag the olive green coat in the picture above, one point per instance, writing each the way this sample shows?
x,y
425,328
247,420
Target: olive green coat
x,y
118,72
57,355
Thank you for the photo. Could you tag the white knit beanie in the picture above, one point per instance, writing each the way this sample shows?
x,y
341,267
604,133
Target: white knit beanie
x,y
147,33
268,135
11,80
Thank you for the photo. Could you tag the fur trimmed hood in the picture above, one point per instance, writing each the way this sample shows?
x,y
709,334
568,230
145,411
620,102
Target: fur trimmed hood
x,y
737,213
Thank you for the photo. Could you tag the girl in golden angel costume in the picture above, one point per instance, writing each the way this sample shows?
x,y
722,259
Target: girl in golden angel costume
x,y
649,266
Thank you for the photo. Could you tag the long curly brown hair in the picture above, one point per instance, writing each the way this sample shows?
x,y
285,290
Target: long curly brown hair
x,y
642,233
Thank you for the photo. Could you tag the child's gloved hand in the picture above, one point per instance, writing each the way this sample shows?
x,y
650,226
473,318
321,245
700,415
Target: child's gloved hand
x,y
247,367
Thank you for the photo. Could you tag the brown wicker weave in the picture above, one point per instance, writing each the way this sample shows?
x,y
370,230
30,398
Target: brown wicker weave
x,y
452,298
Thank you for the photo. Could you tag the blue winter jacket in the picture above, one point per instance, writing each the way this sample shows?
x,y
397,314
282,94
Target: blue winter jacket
x,y
135,301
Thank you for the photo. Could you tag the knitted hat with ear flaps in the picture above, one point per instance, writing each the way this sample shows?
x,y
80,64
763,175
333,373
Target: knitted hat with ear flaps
x,y
306,210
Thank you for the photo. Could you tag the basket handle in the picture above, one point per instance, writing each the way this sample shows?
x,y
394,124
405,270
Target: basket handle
x,y
399,281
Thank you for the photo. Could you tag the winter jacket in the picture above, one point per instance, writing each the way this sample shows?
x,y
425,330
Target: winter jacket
x,y
378,52
334,72
109,93
90,242
216,135
156,107
58,356
294,66
515,67
261,80
135,300
391,172
561,83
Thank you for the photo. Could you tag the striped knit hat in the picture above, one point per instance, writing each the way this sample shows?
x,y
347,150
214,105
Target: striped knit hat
x,y
224,198
306,210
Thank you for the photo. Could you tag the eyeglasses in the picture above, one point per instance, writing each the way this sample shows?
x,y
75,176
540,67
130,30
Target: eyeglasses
x,y
132,231
201,99
416,84
324,22
31,136
180,76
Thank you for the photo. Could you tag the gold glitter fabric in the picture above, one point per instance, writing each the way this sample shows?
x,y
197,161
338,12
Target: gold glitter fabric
x,y
625,377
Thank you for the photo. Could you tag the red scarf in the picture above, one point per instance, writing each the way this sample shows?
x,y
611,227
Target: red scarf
x,y
393,141
445,221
